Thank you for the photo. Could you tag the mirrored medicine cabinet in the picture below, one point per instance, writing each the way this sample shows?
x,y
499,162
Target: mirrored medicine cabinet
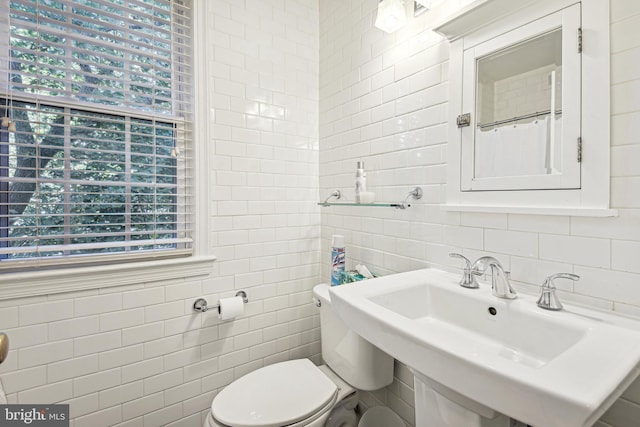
x,y
529,107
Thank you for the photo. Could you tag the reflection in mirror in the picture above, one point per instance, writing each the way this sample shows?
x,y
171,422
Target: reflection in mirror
x,y
519,109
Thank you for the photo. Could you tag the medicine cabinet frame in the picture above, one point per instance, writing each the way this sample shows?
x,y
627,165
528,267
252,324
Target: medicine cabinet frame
x,y
483,26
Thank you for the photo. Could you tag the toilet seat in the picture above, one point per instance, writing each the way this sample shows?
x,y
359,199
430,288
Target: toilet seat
x,y
280,394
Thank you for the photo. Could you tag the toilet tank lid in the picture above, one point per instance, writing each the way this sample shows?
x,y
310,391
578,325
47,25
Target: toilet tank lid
x,y
276,395
321,292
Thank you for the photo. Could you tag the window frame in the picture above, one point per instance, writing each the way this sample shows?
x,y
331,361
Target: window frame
x,y
138,272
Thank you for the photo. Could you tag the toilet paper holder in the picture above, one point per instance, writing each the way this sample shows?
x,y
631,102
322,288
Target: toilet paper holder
x,y
201,304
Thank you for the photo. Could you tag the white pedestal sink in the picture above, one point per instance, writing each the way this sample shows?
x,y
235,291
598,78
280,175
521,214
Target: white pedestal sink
x,y
439,406
548,369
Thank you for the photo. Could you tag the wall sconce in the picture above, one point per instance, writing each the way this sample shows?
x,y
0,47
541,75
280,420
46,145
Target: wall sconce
x,y
391,15
421,6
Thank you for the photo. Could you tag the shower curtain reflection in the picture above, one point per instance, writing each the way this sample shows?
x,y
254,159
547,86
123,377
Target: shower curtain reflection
x,y
518,149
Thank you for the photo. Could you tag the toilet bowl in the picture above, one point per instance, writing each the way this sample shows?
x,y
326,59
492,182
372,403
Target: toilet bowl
x,y
298,393
292,393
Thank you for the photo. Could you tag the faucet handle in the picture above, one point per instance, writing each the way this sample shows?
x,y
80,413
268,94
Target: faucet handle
x,y
548,298
468,280
462,257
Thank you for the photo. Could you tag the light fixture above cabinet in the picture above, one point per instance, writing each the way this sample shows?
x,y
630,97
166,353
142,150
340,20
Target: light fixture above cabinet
x,y
391,15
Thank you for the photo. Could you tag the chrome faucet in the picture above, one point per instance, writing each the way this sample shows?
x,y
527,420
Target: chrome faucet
x,y
500,286
548,298
468,279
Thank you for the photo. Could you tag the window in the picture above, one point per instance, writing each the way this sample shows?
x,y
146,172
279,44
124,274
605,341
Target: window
x,y
94,144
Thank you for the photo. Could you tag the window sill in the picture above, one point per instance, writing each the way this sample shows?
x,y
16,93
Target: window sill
x,y
26,284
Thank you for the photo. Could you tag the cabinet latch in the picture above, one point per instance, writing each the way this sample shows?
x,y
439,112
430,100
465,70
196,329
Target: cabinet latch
x,y
464,120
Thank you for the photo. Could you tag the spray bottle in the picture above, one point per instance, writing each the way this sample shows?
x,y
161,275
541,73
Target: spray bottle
x,y
337,259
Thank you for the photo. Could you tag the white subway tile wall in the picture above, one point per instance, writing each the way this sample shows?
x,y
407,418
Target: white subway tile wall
x,y
138,355
301,90
383,100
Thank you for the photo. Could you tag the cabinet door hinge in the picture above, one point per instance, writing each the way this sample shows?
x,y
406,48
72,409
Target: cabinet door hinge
x,y
579,40
579,149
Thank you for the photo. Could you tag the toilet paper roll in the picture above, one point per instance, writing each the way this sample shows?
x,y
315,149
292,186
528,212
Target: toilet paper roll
x,y
228,308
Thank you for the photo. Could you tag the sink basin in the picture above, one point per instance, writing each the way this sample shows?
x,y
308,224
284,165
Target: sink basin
x,y
469,316
550,369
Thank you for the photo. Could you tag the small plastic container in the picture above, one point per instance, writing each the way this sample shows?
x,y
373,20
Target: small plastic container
x,y
380,416
353,276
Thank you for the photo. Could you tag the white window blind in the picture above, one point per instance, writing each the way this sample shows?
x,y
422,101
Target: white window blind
x,y
95,161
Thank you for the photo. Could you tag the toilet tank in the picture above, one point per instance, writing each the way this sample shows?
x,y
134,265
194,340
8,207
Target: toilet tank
x,y
353,358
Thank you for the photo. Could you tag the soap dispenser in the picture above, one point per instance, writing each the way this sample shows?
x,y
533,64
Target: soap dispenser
x,y
361,181
338,256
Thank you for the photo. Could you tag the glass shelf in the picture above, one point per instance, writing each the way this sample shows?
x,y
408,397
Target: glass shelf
x,y
416,194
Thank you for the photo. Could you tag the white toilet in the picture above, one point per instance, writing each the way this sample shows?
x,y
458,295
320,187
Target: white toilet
x,y
297,392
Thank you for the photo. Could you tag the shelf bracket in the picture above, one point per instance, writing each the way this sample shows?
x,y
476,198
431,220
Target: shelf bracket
x,y
337,194
416,194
